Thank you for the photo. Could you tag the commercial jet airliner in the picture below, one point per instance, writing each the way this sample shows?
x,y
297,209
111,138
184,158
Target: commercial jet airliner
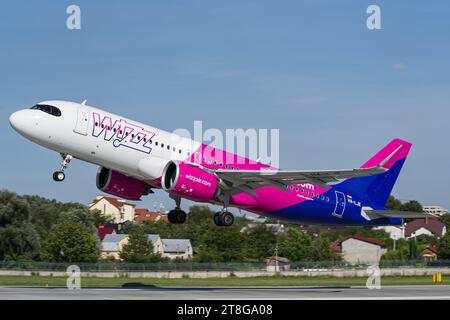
x,y
135,158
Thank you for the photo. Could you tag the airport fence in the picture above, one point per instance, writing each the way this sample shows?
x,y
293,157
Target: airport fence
x,y
206,267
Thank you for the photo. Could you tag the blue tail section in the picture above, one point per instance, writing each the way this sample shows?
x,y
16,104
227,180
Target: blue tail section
x,y
377,188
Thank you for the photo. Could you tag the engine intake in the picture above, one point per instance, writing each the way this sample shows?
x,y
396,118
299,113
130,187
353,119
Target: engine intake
x,y
189,181
118,184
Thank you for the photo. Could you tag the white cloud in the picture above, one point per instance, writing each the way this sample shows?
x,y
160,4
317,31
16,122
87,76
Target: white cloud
x,y
400,66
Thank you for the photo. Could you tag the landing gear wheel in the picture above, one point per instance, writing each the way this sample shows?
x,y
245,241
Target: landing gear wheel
x,y
59,176
177,216
217,219
223,219
226,218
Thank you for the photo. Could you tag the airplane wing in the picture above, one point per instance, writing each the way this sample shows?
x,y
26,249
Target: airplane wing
x,y
247,180
377,214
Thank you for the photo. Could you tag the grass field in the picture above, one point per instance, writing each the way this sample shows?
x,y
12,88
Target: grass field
x,y
212,282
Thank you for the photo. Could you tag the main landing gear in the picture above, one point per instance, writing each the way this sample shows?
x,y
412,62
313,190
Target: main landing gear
x,y
59,176
177,215
223,218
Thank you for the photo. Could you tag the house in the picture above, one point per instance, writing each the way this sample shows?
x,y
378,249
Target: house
x,y
105,229
429,253
120,210
425,227
177,248
436,210
395,232
358,249
277,264
142,215
113,244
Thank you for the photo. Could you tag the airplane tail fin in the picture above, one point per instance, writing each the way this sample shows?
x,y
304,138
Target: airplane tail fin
x,y
378,187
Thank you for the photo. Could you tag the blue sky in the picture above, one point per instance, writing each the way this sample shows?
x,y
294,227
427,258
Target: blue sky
x,y
337,91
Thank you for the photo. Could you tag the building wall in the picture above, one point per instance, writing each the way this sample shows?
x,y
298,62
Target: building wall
x,y
107,209
126,213
158,247
394,232
421,231
437,210
180,255
361,252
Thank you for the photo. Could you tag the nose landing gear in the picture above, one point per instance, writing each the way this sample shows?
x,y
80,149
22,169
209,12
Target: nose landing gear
x,y
59,176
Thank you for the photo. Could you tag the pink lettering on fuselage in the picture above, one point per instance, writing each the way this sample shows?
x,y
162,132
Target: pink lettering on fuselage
x,y
122,133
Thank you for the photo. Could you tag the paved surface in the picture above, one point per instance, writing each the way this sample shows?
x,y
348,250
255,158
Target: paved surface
x,y
229,293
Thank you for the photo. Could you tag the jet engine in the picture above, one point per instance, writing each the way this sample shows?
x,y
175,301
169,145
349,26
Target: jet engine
x,y
189,181
118,184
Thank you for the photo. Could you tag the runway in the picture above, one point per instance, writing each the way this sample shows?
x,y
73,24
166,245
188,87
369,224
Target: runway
x,y
228,293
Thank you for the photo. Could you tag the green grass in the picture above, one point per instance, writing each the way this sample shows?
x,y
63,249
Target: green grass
x,y
212,282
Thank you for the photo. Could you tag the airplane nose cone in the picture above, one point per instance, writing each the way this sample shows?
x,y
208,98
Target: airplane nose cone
x,y
22,121
14,120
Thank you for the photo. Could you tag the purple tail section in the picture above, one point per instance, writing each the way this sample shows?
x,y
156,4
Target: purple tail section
x,y
377,188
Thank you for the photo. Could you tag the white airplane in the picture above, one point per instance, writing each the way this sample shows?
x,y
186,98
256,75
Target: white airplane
x,y
135,158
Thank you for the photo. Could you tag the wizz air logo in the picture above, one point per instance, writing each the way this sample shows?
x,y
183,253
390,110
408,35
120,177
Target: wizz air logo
x,y
122,133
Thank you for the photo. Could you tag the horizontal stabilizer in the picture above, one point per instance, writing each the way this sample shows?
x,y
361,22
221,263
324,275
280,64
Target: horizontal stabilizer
x,y
377,214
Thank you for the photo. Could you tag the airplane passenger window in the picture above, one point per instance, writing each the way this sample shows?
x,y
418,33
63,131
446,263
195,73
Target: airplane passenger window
x,y
54,111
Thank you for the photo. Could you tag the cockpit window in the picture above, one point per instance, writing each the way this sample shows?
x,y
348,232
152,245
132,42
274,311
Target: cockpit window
x,y
54,111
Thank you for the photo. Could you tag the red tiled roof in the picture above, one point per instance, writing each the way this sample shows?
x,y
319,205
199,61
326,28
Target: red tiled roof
x,y
336,246
142,215
103,230
360,237
114,201
432,249
435,226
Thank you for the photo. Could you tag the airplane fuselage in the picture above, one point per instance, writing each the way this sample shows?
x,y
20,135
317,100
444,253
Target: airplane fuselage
x,y
142,152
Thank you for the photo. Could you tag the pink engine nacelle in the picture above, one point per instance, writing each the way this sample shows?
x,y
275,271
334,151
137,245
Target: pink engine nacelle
x,y
189,181
118,184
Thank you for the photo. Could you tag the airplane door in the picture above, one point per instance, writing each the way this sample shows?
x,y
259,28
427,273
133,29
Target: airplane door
x,y
82,124
340,204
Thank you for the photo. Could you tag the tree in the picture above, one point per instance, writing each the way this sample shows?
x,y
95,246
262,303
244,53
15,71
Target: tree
x,y
18,237
445,219
444,247
20,241
412,205
218,244
260,242
81,216
100,218
393,203
70,243
413,250
296,246
139,248
322,251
